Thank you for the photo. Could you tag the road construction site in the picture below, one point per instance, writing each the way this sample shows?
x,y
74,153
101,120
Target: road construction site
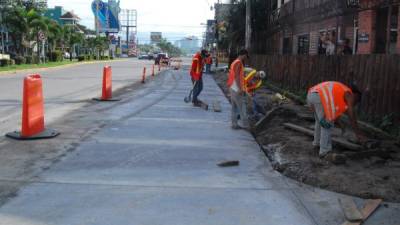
x,y
285,133
151,158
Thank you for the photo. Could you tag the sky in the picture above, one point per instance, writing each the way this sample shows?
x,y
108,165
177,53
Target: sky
x,y
176,19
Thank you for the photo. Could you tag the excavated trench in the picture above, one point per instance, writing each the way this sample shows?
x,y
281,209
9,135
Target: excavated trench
x,y
366,173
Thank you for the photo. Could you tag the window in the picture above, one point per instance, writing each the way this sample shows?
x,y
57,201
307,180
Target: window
x,y
287,46
303,44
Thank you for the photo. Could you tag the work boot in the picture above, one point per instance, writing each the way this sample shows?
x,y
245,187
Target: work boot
x,y
196,103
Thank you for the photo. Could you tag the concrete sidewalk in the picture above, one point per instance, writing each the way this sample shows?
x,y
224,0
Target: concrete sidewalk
x,y
155,164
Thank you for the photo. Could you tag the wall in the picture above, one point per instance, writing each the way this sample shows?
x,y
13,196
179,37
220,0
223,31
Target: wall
x,y
377,75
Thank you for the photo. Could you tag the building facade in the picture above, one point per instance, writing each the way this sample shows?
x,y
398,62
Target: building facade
x,y
314,27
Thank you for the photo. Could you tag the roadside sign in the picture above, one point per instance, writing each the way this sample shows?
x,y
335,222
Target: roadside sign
x,y
42,36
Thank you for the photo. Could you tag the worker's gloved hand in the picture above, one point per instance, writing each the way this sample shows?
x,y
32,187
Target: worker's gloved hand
x,y
325,124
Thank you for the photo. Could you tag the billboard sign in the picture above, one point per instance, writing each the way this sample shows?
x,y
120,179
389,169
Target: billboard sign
x,y
155,37
106,16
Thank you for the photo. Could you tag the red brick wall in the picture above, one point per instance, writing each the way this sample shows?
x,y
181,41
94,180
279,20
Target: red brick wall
x,y
366,25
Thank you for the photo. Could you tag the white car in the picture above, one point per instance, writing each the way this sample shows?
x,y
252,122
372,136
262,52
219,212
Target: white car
x,y
66,55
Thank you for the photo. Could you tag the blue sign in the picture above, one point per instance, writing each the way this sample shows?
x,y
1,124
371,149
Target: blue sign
x,y
106,14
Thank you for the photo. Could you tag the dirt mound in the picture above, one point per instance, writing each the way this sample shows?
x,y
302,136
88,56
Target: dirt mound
x,y
367,173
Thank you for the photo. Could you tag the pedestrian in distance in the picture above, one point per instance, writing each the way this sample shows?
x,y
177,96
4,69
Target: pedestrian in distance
x,y
236,85
196,74
208,62
329,101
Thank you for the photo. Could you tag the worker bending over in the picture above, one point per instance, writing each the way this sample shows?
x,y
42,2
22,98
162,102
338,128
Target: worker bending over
x,y
329,100
196,73
237,90
253,81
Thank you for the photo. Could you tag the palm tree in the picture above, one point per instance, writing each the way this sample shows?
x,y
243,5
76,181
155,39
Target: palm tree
x,y
16,22
37,25
53,33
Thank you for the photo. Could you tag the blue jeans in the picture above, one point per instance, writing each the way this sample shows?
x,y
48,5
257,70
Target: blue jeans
x,y
208,68
198,87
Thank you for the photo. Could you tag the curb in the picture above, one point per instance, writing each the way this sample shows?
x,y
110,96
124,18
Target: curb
x,y
11,72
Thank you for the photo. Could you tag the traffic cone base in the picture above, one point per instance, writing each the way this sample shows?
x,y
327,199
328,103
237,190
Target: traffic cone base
x,y
46,134
106,100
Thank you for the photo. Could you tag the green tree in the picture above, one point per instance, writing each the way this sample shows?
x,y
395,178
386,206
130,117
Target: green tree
x,y
54,33
37,25
16,22
166,46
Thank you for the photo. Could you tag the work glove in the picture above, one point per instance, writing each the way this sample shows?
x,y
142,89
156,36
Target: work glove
x,y
325,124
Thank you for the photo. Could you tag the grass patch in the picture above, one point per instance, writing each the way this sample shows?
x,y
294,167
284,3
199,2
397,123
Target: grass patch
x,y
36,66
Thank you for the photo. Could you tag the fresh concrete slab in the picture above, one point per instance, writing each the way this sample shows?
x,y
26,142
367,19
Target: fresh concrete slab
x,y
155,162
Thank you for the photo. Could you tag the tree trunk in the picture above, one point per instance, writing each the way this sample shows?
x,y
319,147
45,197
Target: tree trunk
x,y
38,49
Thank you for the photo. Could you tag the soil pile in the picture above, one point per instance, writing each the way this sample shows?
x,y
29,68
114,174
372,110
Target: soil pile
x,y
366,173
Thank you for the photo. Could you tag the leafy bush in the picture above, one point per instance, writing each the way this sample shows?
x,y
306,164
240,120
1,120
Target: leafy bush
x,y
32,60
88,57
20,60
104,57
56,56
81,58
4,62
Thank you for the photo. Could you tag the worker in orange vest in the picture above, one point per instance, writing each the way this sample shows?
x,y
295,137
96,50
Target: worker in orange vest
x,y
209,62
330,100
237,88
196,73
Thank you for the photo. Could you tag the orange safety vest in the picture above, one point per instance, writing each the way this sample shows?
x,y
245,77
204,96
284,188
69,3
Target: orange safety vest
x,y
209,60
332,98
197,67
232,74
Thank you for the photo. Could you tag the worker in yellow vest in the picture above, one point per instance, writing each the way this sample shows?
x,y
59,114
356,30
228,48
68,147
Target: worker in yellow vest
x,y
329,100
237,90
253,81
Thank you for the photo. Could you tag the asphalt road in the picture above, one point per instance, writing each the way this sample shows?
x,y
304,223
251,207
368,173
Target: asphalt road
x,y
65,89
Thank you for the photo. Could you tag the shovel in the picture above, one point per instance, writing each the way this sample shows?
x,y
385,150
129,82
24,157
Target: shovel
x,y
188,99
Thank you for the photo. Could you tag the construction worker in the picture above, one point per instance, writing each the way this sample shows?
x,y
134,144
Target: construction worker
x,y
253,81
196,73
237,90
208,62
330,100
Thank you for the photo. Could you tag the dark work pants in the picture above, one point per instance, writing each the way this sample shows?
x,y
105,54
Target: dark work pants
x,y
198,87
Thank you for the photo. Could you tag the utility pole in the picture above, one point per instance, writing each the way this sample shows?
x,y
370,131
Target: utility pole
x,y
248,25
96,20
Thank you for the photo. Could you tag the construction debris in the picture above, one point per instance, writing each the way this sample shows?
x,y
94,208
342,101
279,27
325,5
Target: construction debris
x,y
338,141
369,207
350,209
229,163
217,106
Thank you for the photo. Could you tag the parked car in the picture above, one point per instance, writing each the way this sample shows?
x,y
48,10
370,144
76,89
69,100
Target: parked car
x,y
66,55
142,56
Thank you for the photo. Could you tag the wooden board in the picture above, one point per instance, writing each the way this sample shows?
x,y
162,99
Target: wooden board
x,y
350,209
370,206
265,120
338,141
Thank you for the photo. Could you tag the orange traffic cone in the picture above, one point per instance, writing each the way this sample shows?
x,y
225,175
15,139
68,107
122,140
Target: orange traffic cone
x,y
33,112
106,93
